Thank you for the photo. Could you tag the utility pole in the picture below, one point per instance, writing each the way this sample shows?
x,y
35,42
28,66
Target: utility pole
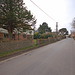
x,y
57,30
33,24
56,27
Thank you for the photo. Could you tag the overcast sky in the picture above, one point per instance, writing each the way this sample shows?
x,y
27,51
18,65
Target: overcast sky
x,y
62,11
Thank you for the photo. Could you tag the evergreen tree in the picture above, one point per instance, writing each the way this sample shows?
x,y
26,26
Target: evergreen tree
x,y
63,31
13,14
44,28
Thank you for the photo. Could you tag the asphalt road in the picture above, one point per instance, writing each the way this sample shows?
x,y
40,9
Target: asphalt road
x,y
53,59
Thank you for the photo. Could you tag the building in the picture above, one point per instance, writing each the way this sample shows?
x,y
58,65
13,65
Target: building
x,y
72,34
16,35
3,34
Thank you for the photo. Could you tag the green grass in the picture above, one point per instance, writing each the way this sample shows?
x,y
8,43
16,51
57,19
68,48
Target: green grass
x,y
2,54
15,51
74,38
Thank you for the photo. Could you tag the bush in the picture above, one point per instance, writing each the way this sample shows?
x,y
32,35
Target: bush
x,y
45,35
36,35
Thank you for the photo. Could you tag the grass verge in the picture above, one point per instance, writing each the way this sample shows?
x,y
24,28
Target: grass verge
x,y
74,38
11,52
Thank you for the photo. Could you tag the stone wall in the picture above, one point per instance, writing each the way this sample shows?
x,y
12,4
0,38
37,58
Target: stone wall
x,y
7,46
49,40
13,45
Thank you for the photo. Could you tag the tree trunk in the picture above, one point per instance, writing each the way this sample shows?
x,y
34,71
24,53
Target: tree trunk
x,y
10,32
18,36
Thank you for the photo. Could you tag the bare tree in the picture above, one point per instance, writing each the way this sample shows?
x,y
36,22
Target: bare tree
x,y
73,23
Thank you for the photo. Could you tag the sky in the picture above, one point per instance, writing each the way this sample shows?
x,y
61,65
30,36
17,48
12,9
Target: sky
x,y
61,11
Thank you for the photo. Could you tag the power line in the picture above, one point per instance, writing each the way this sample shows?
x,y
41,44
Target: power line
x,y
43,11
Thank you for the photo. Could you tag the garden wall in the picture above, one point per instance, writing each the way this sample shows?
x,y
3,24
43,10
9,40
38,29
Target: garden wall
x,y
49,40
13,45
7,46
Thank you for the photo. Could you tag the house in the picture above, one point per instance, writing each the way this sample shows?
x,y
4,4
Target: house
x,y
16,35
3,34
72,34
29,34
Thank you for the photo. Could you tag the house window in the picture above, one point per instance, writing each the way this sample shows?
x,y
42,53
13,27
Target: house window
x,y
6,35
24,35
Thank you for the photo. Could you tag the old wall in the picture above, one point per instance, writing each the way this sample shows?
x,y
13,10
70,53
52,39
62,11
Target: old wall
x,y
7,46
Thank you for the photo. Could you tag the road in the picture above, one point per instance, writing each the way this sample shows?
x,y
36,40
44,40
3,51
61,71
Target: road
x,y
53,59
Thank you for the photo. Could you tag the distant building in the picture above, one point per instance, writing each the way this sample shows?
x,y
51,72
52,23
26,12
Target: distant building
x,y
72,34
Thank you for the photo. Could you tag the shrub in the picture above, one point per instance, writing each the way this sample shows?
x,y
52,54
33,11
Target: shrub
x,y
36,35
45,35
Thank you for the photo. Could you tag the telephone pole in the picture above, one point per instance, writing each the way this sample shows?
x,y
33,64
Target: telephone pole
x,y
57,30
56,27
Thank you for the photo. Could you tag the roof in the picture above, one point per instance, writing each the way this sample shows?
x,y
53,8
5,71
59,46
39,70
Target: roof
x,y
3,30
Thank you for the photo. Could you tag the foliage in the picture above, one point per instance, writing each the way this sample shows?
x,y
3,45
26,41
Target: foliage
x,y
42,36
45,35
36,35
13,14
44,28
63,31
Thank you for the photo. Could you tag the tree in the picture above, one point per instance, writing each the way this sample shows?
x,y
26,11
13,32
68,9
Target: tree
x,y
63,31
73,23
13,14
44,28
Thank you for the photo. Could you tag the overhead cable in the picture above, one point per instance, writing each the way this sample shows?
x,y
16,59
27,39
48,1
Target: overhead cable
x,y
43,11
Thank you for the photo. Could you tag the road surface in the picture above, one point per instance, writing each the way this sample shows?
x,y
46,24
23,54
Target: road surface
x,y
53,59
